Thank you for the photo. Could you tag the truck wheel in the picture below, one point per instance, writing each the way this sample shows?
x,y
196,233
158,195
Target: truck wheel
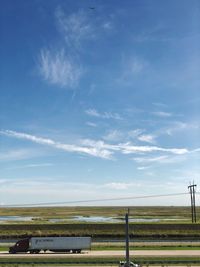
x,y
75,251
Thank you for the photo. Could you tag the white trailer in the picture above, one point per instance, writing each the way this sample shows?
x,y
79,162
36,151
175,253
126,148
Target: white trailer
x,y
67,244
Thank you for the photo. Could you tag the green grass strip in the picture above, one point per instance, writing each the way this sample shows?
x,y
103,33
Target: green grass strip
x,y
101,260
113,247
97,248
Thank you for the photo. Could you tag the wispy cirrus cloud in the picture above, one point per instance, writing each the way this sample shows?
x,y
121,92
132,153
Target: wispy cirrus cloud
x,y
135,133
79,27
58,69
177,126
128,148
93,151
75,28
17,154
91,124
136,66
156,33
113,135
196,150
95,148
140,135
27,166
162,159
143,168
162,114
132,67
145,160
103,115
61,65
148,138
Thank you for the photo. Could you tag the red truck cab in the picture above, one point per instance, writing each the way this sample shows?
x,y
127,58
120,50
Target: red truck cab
x,y
20,246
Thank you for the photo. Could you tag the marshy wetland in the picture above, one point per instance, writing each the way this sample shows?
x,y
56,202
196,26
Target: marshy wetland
x,y
98,222
95,214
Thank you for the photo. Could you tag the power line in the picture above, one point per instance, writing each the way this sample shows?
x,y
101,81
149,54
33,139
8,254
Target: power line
x,y
92,200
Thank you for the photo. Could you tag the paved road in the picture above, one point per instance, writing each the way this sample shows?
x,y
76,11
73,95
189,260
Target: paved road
x,y
107,253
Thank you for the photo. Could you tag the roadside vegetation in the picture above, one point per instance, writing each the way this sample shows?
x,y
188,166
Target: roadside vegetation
x,y
104,230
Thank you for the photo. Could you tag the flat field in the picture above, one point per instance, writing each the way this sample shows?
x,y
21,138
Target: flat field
x,y
174,224
147,212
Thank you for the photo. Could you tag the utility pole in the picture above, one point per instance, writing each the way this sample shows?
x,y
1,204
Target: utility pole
x,y
127,241
193,205
127,263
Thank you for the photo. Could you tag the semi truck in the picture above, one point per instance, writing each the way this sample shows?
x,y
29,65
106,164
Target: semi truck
x,y
55,244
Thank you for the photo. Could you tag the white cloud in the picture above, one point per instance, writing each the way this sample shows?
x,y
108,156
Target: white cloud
x,y
162,114
153,34
17,154
92,124
116,186
107,25
58,69
113,135
159,104
162,159
131,68
61,65
104,115
150,160
99,145
93,151
196,150
121,186
142,168
135,133
147,138
95,148
136,66
27,166
92,112
178,126
129,149
75,27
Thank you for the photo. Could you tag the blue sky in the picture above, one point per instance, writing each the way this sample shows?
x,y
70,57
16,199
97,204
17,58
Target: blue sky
x,y
99,99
